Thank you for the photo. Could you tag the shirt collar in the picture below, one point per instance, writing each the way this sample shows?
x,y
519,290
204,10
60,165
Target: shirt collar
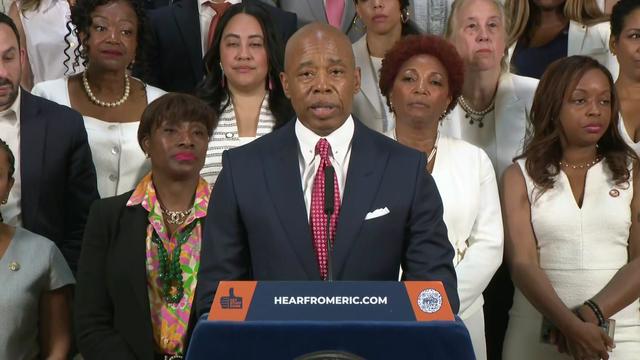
x,y
145,195
203,4
13,109
339,139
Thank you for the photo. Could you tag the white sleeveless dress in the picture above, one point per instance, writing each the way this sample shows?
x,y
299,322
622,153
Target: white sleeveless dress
x,y
580,250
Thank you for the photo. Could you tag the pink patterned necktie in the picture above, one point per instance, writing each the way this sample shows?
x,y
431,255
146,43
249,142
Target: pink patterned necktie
x,y
335,10
318,218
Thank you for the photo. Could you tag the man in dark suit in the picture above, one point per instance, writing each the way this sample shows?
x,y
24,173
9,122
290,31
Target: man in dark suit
x,y
390,212
55,180
176,51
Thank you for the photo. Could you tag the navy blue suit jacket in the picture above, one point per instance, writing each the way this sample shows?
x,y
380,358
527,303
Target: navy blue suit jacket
x,y
57,173
175,51
258,228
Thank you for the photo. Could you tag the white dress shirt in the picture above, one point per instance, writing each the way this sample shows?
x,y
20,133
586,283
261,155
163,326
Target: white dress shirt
x,y
340,141
10,133
206,15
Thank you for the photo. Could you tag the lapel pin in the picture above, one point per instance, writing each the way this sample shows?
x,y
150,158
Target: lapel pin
x,y
14,266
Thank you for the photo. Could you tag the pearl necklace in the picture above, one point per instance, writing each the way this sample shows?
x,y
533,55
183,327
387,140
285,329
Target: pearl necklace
x,y
475,115
95,100
586,165
433,151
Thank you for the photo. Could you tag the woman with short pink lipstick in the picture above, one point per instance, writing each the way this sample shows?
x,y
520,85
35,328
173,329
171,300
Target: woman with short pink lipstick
x,y
139,264
386,22
572,230
111,34
243,82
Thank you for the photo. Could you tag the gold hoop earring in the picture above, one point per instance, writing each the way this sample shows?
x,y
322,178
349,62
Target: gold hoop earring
x,y
358,25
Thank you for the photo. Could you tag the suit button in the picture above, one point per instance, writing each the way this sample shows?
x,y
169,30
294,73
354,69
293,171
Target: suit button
x,y
113,177
115,150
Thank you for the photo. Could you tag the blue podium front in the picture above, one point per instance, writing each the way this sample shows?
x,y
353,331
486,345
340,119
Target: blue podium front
x,y
372,320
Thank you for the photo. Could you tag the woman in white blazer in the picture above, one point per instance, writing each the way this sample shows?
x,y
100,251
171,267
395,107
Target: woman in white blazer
x,y
110,101
579,27
386,21
422,77
492,110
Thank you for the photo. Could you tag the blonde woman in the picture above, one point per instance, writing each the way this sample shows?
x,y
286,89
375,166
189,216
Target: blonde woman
x,y
491,111
545,31
42,25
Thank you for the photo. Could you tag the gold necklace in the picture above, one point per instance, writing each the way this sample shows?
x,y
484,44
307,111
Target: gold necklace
x,y
586,165
175,217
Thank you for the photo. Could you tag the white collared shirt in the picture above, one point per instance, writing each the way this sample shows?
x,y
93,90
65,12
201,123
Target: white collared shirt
x,y
10,133
340,141
206,15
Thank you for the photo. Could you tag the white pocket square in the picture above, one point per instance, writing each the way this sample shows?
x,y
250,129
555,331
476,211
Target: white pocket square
x,y
377,213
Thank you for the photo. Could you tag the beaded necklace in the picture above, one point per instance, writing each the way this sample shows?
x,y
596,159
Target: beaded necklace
x,y
170,272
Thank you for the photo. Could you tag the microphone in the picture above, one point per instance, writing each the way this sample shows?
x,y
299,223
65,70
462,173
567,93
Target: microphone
x,y
328,210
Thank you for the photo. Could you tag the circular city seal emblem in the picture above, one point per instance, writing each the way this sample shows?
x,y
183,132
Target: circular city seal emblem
x,y
430,301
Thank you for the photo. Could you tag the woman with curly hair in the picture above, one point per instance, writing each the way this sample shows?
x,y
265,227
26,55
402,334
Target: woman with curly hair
x,y
572,223
422,77
111,33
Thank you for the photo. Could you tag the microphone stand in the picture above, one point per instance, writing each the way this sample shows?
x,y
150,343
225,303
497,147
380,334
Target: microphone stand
x,y
328,210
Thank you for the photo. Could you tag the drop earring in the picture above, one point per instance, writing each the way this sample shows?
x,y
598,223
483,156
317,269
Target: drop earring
x,y
222,82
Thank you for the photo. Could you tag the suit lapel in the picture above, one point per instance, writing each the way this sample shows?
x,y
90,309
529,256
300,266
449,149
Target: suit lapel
x,y
576,38
349,15
32,143
186,15
509,132
369,87
366,167
133,232
285,186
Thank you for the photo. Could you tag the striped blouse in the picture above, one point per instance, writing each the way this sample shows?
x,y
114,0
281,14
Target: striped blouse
x,y
225,137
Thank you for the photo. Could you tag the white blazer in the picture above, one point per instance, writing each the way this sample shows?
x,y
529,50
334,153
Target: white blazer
x,y
366,104
512,105
467,185
592,41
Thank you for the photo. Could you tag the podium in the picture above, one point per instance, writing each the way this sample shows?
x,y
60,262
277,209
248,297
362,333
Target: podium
x,y
368,320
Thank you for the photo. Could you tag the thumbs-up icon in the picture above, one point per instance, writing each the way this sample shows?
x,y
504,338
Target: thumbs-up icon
x,y
231,301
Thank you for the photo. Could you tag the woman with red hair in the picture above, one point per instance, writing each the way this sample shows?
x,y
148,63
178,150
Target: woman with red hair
x,y
422,77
